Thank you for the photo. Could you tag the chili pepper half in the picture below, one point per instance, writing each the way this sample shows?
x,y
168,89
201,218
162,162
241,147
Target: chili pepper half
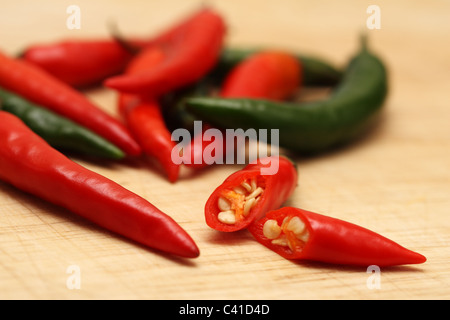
x,y
312,127
298,234
40,87
191,54
58,131
246,195
30,164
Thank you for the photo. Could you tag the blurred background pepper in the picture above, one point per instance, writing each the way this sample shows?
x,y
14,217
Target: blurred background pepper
x,y
58,131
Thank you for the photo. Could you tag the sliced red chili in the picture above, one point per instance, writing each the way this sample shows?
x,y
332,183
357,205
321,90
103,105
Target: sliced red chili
x,y
298,234
191,54
246,195
42,88
30,164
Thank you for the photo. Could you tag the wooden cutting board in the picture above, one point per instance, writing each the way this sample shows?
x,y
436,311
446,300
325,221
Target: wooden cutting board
x,y
396,181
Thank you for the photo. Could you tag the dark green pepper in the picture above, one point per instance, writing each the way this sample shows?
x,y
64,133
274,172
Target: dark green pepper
x,y
59,132
316,72
313,126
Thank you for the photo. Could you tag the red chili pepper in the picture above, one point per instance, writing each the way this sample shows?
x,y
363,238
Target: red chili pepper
x,y
144,118
30,164
79,63
246,195
191,54
203,145
268,75
197,149
298,234
85,62
40,87
147,125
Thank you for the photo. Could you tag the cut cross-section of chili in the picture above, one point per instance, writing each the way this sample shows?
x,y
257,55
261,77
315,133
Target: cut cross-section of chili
x,y
298,234
249,193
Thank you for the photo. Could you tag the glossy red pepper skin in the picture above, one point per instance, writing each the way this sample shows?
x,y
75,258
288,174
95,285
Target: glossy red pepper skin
x,y
143,117
336,241
40,87
191,54
279,186
147,125
79,63
86,62
271,75
30,164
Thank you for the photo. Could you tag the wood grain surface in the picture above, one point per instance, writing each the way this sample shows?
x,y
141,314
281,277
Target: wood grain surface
x,y
395,181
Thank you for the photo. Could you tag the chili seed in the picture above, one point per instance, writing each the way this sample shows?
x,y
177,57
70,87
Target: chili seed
x,y
281,242
271,229
239,190
224,204
246,186
296,225
255,193
227,217
248,205
253,184
303,237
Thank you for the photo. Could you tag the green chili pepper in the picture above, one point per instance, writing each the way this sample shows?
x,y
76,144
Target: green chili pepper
x,y
314,126
174,110
316,72
59,132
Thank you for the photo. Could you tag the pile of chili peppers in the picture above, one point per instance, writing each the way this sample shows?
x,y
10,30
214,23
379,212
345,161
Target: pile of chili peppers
x,y
168,81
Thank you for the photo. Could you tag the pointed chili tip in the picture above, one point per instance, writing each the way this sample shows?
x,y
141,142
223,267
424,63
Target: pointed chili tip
x,y
121,82
417,258
112,82
189,251
172,172
407,257
125,84
180,244
133,149
194,253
